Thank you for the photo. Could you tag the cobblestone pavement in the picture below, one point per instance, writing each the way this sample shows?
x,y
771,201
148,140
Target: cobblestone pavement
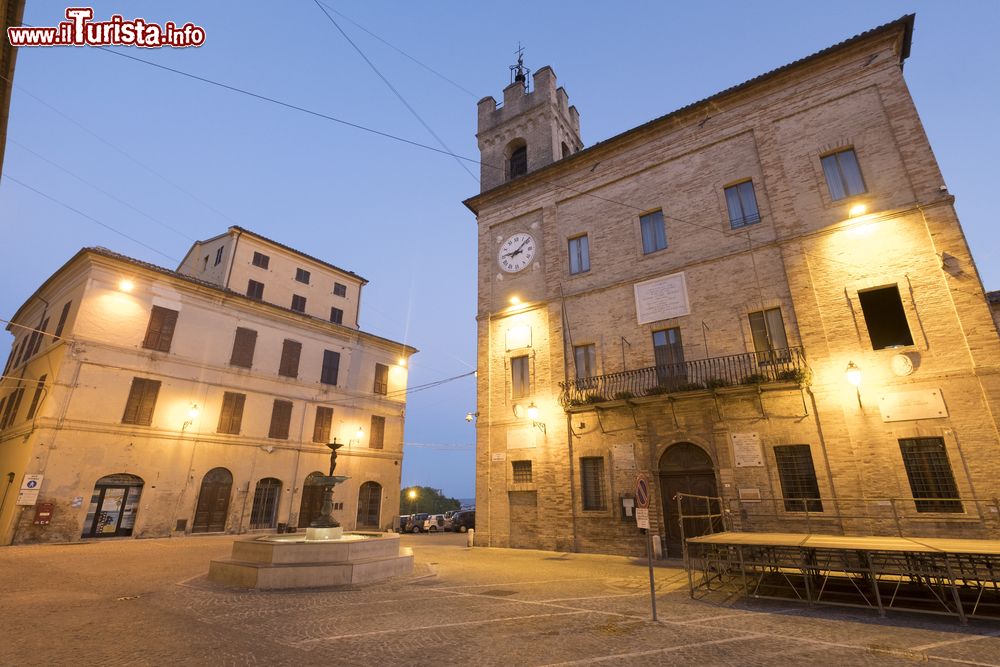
x,y
147,602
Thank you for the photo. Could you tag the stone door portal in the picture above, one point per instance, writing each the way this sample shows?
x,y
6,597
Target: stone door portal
x,y
687,468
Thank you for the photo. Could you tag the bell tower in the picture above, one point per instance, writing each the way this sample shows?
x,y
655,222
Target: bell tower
x,y
535,126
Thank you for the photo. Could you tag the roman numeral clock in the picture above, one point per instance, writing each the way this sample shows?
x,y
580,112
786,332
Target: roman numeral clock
x,y
516,252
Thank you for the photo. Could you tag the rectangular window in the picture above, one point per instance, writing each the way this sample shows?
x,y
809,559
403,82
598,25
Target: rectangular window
x,y
243,348
62,319
39,388
520,377
255,290
742,204
298,303
929,472
160,332
586,361
321,427
231,417
885,318
843,174
261,260
42,328
521,472
336,315
769,340
281,417
218,255
291,350
331,367
13,405
668,354
654,232
376,440
381,379
798,478
302,276
339,290
579,254
141,401
592,482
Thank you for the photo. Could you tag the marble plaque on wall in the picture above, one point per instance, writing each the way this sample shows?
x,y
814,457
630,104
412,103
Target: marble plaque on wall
x,y
521,438
907,405
746,450
623,456
661,298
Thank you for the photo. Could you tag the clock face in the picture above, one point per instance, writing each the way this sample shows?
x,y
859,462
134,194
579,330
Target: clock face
x,y
516,252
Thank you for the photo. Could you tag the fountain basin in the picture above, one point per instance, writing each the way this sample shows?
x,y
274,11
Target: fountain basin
x,y
294,561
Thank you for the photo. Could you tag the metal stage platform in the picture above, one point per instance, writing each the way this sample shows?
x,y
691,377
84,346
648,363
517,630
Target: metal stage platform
x,y
959,577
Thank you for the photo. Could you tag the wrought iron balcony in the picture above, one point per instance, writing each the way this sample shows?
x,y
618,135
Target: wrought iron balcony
x,y
749,369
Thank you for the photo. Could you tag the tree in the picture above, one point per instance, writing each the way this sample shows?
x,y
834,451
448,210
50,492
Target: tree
x,y
429,500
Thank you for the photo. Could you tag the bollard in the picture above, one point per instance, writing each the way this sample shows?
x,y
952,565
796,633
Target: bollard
x,y
471,536
657,547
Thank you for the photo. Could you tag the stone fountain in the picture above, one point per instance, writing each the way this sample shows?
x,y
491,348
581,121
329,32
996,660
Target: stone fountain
x,y
325,556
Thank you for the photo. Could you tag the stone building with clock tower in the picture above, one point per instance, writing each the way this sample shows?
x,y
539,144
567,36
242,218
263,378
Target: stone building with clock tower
x,y
763,302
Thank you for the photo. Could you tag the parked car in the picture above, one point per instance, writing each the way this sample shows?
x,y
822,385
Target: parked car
x,y
463,520
404,519
415,524
435,523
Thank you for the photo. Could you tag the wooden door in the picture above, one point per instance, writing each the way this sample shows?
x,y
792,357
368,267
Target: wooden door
x,y
213,502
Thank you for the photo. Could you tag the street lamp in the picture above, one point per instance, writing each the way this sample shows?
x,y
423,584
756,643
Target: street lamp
x,y
853,374
412,495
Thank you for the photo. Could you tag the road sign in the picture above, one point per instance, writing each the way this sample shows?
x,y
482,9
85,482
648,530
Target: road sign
x,y
642,517
641,491
30,485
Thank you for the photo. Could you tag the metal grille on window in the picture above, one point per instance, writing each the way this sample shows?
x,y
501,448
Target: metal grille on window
x,y
265,503
930,475
592,482
521,472
798,478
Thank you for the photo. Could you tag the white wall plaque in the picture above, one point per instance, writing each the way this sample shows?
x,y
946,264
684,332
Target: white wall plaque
x,y
498,456
521,438
661,298
749,495
623,456
746,450
905,405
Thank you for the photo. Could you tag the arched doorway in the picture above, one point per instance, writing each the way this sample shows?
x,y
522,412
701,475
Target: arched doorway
x,y
213,502
687,468
312,499
113,506
369,505
264,513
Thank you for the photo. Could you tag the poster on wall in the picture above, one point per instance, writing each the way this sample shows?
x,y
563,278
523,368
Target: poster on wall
x,y
746,450
661,298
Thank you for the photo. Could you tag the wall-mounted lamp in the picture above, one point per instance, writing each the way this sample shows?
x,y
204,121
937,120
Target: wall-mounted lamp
x,y
126,285
857,210
192,414
853,374
469,416
533,416
515,301
401,362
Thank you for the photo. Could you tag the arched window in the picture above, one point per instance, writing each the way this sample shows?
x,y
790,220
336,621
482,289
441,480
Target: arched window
x,y
369,504
265,503
213,501
517,162
312,499
113,506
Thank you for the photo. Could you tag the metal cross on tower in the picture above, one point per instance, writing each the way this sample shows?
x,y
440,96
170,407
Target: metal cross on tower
x,y
519,73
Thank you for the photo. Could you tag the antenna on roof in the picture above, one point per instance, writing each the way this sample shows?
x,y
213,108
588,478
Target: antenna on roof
x,y
519,73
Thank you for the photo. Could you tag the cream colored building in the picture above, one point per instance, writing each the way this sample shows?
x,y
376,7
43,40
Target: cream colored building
x,y
763,297
150,402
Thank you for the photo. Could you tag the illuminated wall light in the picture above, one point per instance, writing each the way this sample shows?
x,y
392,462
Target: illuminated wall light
x,y
856,210
401,362
193,412
126,285
853,374
515,301
533,412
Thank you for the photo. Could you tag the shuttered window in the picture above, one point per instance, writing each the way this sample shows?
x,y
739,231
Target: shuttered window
x,y
302,276
141,401
255,290
261,260
592,482
13,405
331,367
160,331
298,303
281,417
231,417
377,438
321,428
381,379
62,320
291,350
337,315
797,475
243,348
39,388
339,289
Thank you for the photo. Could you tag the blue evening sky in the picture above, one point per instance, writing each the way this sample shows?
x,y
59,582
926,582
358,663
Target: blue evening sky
x,y
390,211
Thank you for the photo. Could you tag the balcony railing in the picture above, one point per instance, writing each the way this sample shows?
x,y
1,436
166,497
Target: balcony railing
x,y
752,368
